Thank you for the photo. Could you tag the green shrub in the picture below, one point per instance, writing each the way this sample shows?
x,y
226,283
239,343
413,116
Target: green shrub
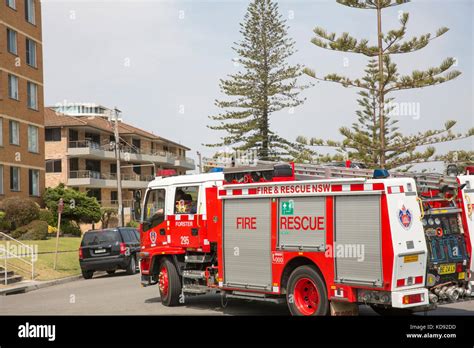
x,y
35,230
4,224
70,228
20,211
133,224
47,215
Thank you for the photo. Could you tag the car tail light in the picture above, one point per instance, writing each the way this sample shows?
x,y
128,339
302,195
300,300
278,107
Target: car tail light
x,y
459,268
123,248
80,254
419,280
409,299
400,283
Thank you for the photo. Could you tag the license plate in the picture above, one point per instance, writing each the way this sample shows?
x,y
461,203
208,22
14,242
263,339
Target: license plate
x,y
100,251
410,258
447,269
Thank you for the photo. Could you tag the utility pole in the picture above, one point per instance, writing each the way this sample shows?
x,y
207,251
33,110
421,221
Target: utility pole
x,y
119,177
200,161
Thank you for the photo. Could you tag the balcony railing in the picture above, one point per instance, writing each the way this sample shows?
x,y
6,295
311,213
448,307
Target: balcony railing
x,y
84,144
123,149
127,203
90,174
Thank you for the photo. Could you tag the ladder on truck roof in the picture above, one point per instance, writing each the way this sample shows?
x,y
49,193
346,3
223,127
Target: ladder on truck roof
x,y
304,171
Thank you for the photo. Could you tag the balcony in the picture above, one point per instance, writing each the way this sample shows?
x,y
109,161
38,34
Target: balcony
x,y
92,150
89,178
185,162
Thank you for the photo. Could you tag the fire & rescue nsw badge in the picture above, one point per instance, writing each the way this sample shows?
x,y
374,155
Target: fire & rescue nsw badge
x,y
405,217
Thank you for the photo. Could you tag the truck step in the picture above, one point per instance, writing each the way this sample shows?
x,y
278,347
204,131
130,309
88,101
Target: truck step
x,y
193,274
195,289
256,297
204,258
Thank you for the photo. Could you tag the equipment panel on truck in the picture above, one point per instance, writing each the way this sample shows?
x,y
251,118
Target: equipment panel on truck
x,y
246,235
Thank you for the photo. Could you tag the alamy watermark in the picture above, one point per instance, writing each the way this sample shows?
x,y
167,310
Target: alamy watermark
x,y
11,251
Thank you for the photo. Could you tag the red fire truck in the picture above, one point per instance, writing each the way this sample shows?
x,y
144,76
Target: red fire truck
x,y
319,238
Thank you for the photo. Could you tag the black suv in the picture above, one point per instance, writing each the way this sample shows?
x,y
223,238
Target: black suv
x,y
109,250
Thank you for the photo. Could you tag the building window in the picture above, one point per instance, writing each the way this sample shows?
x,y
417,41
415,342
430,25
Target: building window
x,y
33,139
113,196
1,179
32,95
30,11
14,179
31,53
11,4
34,176
11,42
13,87
52,134
14,133
53,166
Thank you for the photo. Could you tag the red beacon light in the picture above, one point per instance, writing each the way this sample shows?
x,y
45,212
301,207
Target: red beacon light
x,y
166,172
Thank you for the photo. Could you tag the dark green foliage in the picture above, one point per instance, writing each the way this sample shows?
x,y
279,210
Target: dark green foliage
x,y
375,139
47,215
133,224
35,230
266,84
77,205
4,224
70,228
20,211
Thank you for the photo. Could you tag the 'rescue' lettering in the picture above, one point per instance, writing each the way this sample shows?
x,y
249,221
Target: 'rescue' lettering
x,y
305,223
291,189
246,223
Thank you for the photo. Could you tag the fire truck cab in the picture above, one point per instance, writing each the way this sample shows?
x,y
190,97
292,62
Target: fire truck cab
x,y
260,234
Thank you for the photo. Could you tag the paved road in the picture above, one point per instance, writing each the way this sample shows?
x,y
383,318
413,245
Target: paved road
x,y
122,294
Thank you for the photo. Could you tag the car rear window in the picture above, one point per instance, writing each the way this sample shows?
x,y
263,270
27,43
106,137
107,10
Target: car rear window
x,y
99,237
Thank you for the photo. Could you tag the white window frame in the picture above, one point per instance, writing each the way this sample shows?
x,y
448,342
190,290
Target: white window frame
x,y
11,4
33,143
12,40
14,136
31,53
18,172
13,87
35,174
30,11
32,98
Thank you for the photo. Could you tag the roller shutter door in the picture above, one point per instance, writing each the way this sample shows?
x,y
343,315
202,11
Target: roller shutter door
x,y
247,257
357,240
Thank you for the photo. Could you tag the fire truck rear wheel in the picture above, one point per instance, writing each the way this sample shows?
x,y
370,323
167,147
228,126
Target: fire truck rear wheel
x,y
169,283
306,292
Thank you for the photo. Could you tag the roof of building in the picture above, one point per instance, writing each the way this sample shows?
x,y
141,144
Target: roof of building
x,y
55,119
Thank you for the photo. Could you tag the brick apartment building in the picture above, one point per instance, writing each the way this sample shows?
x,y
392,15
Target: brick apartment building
x,y
22,166
80,154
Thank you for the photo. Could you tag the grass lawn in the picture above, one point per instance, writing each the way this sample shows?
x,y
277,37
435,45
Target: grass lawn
x,y
68,262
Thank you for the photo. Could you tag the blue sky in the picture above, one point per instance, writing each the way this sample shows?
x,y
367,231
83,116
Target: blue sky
x,y
160,62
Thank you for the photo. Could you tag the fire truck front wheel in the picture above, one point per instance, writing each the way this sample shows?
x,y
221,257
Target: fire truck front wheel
x,y
169,283
306,292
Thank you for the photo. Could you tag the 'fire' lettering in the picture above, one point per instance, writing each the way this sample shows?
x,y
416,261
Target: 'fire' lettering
x,y
246,223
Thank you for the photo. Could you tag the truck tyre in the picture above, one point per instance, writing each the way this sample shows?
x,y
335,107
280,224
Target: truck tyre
x,y
306,292
391,312
87,274
132,265
169,284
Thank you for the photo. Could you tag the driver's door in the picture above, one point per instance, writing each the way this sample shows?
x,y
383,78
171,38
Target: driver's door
x,y
154,218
